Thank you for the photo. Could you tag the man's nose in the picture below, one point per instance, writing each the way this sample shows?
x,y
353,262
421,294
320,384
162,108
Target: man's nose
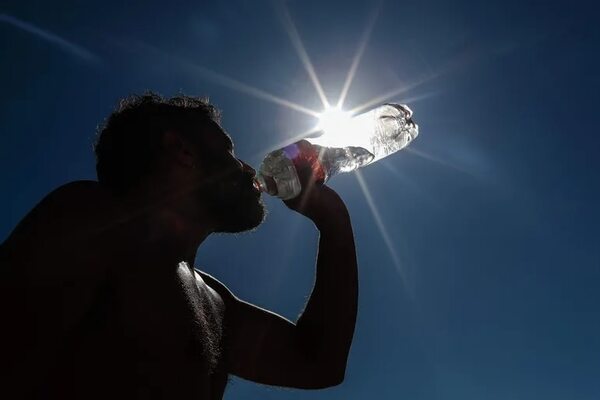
x,y
248,169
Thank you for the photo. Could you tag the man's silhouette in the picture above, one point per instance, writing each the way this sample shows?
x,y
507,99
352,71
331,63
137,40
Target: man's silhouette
x,y
99,297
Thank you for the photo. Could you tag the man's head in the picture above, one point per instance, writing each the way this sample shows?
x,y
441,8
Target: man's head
x,y
178,143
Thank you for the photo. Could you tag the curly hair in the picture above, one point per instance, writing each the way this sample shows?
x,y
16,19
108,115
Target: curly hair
x,y
129,142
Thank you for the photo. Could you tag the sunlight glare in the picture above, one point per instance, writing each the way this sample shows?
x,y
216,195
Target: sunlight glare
x,y
216,77
392,93
381,226
359,53
343,129
440,161
334,121
292,32
286,142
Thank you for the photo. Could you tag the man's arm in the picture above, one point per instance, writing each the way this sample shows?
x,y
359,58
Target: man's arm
x,y
312,353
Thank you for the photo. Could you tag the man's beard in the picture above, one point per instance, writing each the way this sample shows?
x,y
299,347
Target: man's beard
x,y
235,205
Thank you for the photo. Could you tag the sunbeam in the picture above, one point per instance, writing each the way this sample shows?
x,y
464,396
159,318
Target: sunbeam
x,y
226,81
393,93
406,181
287,141
50,37
419,97
459,61
380,225
437,160
251,90
359,53
292,32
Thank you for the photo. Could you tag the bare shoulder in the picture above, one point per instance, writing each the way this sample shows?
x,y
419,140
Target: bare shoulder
x,y
54,264
65,227
77,188
75,203
79,199
78,191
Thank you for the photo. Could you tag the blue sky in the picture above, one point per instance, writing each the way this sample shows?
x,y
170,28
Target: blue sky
x,y
481,281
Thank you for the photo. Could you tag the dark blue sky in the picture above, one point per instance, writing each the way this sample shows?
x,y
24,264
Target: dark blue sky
x,y
493,215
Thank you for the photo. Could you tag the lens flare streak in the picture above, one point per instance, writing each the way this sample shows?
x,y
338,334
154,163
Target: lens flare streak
x,y
287,141
292,32
219,78
439,161
358,56
381,226
50,37
392,93
245,88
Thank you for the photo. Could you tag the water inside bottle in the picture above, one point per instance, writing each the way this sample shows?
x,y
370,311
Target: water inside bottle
x,y
336,159
363,140
380,132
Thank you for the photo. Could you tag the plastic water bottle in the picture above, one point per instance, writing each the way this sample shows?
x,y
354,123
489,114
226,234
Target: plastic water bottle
x,y
347,143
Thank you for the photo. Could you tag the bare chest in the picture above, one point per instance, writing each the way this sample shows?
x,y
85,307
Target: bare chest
x,y
170,312
170,326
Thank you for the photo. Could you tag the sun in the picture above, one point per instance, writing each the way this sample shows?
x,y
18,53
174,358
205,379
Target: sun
x,y
334,121
340,128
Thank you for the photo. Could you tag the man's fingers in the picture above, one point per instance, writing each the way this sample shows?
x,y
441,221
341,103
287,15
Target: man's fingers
x,y
300,202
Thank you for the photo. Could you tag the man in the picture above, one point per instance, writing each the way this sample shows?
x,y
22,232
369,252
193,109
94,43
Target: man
x,y
99,296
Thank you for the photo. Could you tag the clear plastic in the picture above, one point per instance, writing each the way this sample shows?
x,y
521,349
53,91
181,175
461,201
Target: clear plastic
x,y
362,140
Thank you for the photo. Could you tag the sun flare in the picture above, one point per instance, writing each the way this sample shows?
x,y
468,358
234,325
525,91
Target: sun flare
x,y
334,121
340,128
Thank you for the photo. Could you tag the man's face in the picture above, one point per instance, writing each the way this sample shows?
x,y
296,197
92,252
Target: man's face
x,y
228,190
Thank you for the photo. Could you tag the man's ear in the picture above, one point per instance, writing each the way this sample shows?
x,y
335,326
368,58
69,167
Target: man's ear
x,y
178,148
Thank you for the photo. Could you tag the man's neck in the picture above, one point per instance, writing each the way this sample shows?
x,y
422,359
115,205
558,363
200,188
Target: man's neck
x,y
162,223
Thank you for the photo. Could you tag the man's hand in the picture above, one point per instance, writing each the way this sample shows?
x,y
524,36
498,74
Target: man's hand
x,y
311,353
316,201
